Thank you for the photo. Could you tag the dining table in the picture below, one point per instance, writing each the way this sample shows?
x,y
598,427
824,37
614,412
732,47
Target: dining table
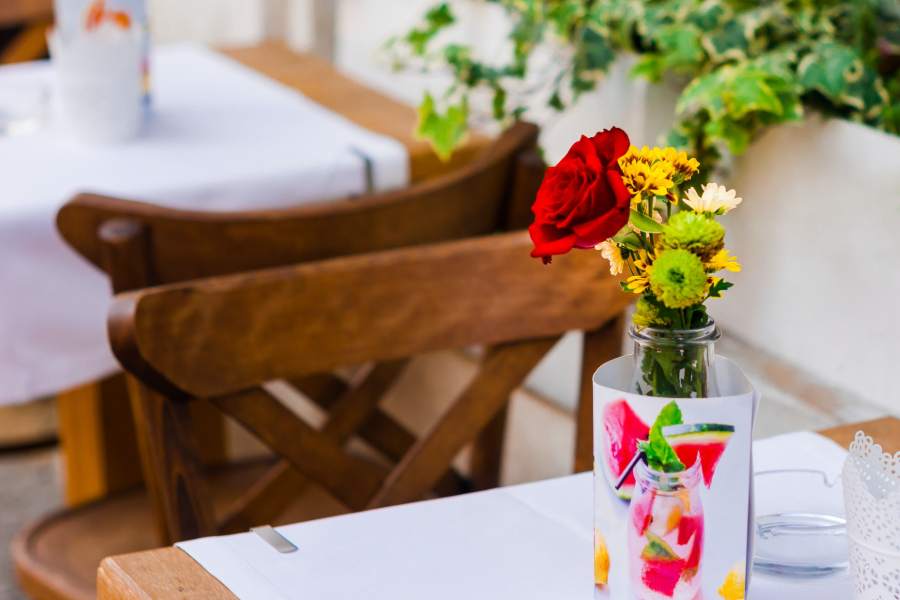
x,y
46,353
174,572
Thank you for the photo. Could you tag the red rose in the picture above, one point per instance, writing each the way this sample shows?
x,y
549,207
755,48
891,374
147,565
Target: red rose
x,y
582,200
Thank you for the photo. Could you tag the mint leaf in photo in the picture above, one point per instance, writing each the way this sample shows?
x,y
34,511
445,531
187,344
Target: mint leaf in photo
x,y
657,450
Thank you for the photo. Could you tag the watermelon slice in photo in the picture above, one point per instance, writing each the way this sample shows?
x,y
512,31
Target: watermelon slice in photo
x,y
662,568
623,430
705,441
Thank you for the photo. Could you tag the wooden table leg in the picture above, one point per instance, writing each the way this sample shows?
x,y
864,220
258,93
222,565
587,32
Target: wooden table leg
x,y
600,346
96,433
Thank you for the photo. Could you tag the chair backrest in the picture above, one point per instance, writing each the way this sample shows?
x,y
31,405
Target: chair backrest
x,y
16,12
32,19
222,338
492,193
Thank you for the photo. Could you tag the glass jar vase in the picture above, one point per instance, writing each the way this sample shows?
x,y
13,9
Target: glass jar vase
x,y
665,534
675,363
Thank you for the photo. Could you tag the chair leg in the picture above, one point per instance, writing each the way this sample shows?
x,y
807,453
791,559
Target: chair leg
x,y
600,345
487,452
171,467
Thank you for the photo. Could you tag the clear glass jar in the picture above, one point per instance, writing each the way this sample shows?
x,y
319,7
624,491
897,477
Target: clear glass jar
x,y
675,363
665,534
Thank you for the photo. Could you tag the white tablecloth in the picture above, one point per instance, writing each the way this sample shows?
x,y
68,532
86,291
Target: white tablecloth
x,y
530,541
221,137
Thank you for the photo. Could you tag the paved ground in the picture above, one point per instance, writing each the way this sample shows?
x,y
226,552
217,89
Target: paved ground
x,y
28,488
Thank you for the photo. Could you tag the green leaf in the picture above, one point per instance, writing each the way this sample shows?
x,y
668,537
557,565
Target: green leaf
x,y
556,102
498,104
749,92
736,136
828,69
444,132
730,42
680,46
718,288
595,52
436,19
644,223
703,94
629,239
649,66
657,450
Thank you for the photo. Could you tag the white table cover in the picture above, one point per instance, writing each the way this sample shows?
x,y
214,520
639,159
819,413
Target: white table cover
x,y
530,541
221,137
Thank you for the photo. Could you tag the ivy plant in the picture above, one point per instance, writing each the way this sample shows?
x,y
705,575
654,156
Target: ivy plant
x,y
744,65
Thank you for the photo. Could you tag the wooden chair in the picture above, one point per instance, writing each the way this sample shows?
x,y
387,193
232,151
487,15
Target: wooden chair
x,y
32,18
492,193
224,338
140,245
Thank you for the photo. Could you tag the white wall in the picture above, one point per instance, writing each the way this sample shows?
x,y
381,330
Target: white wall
x,y
818,234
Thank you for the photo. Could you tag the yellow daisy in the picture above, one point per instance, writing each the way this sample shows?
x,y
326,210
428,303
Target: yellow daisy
x,y
685,167
638,284
639,177
723,260
647,170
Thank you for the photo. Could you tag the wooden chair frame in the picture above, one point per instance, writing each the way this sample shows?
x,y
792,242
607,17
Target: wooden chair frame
x,y
492,193
220,339
35,18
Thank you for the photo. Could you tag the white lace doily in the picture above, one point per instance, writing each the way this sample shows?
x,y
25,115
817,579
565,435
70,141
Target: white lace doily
x,y
871,481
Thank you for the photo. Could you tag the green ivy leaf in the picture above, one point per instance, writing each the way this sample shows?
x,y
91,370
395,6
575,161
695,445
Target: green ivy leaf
x,y
596,53
644,223
436,19
736,136
829,68
728,43
703,93
748,92
650,67
498,104
680,48
443,131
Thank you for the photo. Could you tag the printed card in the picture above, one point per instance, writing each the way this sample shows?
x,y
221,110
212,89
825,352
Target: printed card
x,y
683,534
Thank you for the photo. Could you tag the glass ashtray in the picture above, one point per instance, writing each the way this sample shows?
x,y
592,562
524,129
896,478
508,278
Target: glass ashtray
x,y
800,528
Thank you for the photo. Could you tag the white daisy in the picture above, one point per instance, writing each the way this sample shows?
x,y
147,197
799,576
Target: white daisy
x,y
715,199
610,251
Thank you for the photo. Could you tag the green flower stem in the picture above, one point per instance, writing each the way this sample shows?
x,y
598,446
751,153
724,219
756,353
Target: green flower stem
x,y
674,372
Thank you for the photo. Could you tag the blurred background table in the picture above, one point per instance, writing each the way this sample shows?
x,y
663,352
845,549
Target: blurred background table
x,y
321,82
172,573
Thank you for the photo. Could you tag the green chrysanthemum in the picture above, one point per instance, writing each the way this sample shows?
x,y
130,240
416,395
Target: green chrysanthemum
x,y
649,314
698,233
678,279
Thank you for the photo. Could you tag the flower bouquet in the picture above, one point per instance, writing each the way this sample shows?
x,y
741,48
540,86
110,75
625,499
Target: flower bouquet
x,y
666,493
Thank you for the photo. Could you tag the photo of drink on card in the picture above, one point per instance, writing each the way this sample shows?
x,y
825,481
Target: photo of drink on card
x,y
672,489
